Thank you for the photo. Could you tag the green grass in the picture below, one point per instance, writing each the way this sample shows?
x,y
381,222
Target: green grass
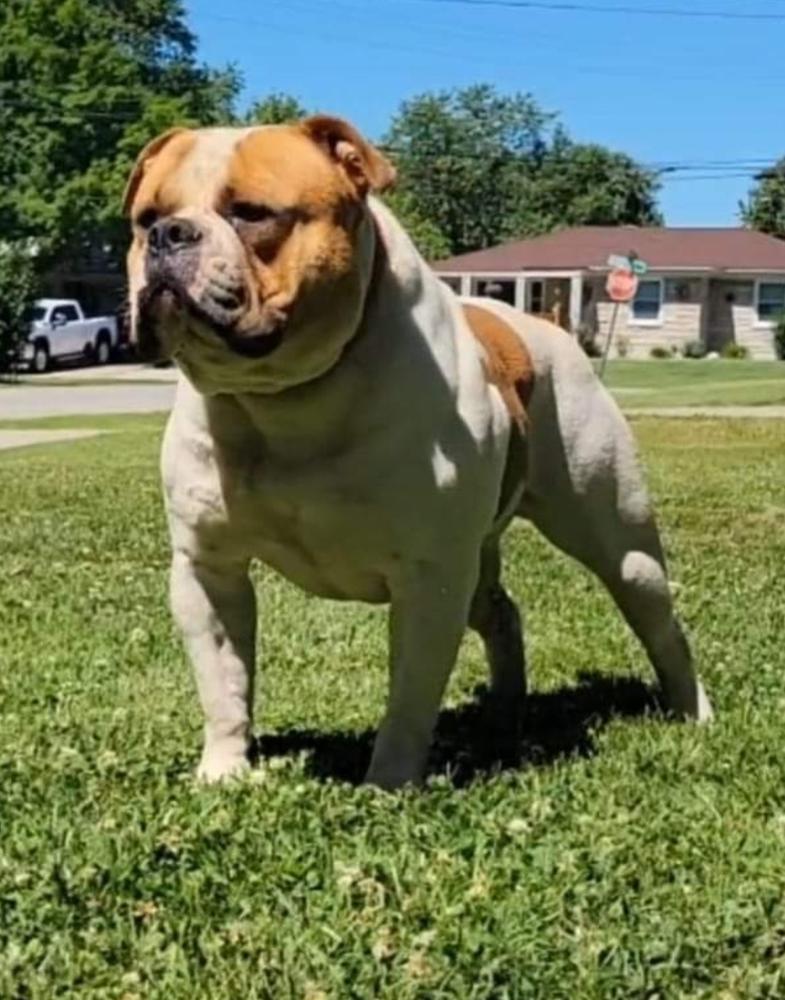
x,y
697,383
625,858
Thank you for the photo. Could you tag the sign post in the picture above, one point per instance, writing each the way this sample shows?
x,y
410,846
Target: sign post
x,y
621,286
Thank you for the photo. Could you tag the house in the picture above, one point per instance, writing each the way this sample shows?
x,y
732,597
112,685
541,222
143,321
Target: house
x,y
715,285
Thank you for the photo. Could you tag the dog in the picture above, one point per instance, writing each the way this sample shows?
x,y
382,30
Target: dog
x,y
342,416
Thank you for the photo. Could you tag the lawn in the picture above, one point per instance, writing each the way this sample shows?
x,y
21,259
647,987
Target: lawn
x,y
697,383
626,857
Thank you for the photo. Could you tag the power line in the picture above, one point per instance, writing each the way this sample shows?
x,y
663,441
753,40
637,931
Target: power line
x,y
561,6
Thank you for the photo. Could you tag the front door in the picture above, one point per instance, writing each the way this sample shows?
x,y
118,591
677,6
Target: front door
x,y
550,298
725,297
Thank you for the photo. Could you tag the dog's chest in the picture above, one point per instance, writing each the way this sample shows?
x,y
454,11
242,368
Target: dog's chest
x,y
319,523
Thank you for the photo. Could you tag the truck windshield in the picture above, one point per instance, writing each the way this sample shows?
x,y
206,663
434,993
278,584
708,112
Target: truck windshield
x,y
37,313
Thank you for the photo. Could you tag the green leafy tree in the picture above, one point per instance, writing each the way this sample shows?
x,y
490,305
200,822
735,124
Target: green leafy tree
x,y
275,109
584,185
18,289
461,156
483,167
765,208
83,86
425,234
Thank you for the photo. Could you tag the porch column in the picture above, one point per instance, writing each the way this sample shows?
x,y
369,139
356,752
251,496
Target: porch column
x,y
520,293
705,293
576,302
466,284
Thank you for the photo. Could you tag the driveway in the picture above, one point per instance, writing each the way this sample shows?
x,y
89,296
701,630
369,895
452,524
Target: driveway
x,y
26,402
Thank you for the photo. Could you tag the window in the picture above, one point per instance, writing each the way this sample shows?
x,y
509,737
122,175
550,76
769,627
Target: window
x,y
647,304
64,314
536,297
502,290
771,301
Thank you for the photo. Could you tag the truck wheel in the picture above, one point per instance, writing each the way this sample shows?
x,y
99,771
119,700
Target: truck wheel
x,y
40,361
103,350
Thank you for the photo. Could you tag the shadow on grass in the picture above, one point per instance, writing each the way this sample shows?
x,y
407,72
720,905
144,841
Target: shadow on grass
x,y
469,745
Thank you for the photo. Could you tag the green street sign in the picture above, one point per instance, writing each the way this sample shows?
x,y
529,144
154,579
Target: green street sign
x,y
639,267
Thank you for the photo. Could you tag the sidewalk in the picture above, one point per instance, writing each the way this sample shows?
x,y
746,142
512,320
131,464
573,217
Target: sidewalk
x,y
21,439
721,412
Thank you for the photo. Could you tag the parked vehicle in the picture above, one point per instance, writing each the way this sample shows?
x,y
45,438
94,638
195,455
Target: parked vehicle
x,y
60,331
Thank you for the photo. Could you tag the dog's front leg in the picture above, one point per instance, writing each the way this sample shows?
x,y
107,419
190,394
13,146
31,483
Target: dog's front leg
x,y
215,607
428,615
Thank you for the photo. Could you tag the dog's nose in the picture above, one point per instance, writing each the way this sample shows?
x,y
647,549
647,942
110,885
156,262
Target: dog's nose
x,y
172,235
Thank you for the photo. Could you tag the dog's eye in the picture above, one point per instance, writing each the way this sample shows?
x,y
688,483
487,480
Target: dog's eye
x,y
247,211
146,218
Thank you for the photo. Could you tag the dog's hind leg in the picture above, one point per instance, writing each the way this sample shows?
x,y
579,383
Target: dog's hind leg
x,y
628,558
587,496
495,618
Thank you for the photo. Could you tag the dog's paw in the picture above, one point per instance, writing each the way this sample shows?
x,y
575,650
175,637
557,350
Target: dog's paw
x,y
218,766
690,704
391,777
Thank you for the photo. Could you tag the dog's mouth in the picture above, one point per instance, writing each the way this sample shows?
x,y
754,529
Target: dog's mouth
x,y
163,298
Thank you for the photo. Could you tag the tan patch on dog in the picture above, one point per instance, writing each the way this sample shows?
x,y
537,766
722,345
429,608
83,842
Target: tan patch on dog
x,y
157,162
507,362
281,167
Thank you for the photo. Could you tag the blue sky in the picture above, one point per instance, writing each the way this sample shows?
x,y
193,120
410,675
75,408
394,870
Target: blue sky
x,y
658,87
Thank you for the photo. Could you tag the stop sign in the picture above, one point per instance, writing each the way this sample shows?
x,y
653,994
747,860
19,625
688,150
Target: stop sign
x,y
622,286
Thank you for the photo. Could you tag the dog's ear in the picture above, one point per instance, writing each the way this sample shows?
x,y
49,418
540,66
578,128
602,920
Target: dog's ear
x,y
362,163
143,161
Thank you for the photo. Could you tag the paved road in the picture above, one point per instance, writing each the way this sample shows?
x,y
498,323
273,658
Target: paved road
x,y
25,402
126,372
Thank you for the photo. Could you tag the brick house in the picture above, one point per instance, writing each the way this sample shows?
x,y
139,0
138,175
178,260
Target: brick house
x,y
715,285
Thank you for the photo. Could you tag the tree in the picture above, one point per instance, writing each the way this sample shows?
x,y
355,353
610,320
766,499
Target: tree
x,y
425,234
484,167
765,209
83,86
275,109
461,156
18,289
584,185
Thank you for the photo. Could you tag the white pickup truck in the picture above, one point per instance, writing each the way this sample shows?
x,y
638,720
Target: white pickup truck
x,y
60,331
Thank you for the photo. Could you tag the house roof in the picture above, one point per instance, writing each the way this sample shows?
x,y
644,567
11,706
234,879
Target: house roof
x,y
663,249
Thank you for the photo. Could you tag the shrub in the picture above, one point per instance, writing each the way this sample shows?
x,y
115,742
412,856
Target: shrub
x,y
735,351
661,353
18,289
779,337
622,346
695,349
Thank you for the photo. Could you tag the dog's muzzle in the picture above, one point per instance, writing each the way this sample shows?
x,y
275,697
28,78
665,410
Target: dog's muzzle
x,y
179,277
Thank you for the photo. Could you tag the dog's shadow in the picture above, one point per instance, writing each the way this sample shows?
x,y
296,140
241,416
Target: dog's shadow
x,y
467,747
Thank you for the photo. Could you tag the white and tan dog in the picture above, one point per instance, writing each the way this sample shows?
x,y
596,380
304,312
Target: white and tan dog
x,y
343,417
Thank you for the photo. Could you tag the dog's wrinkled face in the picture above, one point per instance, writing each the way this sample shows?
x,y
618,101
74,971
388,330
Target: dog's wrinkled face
x,y
252,250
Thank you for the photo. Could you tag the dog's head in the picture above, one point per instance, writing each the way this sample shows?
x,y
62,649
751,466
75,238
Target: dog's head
x,y
253,250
